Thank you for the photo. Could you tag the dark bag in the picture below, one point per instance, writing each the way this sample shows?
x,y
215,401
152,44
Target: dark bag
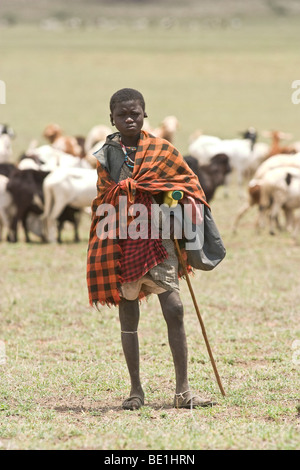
x,y
210,251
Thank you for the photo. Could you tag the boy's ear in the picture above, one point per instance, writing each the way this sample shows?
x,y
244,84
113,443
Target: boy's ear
x,y
111,120
145,115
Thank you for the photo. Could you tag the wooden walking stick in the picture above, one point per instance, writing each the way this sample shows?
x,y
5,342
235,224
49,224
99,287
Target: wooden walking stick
x,y
199,317
171,199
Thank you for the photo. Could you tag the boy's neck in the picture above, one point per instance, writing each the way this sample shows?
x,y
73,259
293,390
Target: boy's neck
x,y
130,141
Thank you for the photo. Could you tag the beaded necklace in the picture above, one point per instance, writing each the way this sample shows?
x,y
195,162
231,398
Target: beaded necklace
x,y
128,150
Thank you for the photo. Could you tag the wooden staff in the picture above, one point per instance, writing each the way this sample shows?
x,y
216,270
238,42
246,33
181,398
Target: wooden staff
x,y
199,317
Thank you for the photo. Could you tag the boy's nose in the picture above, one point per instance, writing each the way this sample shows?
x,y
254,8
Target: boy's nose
x,y
129,119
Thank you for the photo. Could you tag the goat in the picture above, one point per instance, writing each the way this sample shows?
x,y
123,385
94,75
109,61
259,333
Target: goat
x,y
280,189
167,129
7,208
6,136
25,189
34,223
94,140
25,186
69,214
67,144
276,147
96,134
63,187
254,186
250,134
211,175
243,155
47,158
7,169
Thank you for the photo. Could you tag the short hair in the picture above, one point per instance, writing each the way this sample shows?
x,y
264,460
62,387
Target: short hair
x,y
126,94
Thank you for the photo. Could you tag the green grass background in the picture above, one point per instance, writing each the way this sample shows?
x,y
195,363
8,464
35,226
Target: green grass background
x,y
65,377
220,80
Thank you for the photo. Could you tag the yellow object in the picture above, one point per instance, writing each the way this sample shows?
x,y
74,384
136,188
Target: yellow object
x,y
171,198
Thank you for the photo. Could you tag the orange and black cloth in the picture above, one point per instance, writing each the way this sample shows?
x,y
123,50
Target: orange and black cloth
x,y
158,167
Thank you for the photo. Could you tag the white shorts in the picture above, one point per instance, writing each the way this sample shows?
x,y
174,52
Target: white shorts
x,y
131,290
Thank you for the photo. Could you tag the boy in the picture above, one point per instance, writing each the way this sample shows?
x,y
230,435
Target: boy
x,y
123,270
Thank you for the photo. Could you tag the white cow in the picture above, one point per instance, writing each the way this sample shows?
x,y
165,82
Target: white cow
x,y
75,187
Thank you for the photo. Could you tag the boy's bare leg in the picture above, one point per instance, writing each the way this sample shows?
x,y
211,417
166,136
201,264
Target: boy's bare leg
x,y
129,314
172,309
173,312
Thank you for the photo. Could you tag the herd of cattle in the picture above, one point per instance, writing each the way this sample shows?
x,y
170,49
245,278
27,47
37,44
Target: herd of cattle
x,y
55,183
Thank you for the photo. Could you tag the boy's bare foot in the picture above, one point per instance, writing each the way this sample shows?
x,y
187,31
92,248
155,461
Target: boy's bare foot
x,y
133,403
189,400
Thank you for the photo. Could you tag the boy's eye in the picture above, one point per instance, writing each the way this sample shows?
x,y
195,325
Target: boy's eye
x,y
124,115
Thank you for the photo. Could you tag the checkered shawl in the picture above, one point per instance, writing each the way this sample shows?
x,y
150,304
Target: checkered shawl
x,y
158,167
141,254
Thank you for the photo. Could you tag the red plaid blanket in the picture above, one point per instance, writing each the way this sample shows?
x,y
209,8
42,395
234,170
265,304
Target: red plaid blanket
x,y
141,254
158,167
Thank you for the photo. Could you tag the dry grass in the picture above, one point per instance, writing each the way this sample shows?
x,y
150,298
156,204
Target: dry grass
x,y
65,376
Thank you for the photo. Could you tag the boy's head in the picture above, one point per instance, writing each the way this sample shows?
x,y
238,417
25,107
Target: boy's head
x,y
126,94
127,113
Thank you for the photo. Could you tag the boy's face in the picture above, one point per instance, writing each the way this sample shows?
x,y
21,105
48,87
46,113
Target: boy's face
x,y
128,117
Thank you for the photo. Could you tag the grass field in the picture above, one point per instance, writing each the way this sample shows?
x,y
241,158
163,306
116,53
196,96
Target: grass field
x,y
215,79
64,376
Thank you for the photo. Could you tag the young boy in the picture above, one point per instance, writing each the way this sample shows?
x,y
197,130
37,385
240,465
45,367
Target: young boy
x,y
122,270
